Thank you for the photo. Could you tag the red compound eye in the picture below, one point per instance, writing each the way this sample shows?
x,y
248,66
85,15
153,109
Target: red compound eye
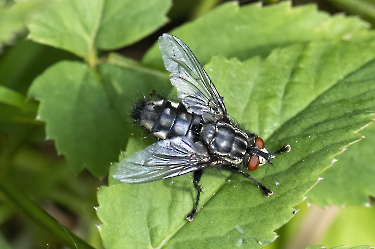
x,y
259,143
253,163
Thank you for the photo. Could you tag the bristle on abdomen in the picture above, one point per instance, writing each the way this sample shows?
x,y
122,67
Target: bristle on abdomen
x,y
137,110
146,113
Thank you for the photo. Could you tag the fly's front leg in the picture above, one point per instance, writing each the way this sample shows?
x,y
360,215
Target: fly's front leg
x,y
196,178
234,169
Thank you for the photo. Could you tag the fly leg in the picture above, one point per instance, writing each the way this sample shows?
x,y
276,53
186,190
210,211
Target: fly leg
x,y
286,148
196,178
236,170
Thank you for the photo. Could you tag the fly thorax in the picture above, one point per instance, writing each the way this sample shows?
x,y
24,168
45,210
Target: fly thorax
x,y
201,152
208,133
225,140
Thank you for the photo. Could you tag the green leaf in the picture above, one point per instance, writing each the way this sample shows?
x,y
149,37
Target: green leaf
x,y
12,19
233,211
82,26
363,8
341,232
341,229
134,19
18,67
12,98
339,247
255,30
57,184
303,72
40,216
350,180
14,107
3,243
78,116
11,115
85,111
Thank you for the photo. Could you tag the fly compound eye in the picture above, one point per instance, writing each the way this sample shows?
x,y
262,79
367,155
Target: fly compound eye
x,y
259,143
253,163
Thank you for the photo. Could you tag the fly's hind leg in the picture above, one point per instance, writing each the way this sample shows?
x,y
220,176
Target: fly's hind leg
x,y
196,178
234,169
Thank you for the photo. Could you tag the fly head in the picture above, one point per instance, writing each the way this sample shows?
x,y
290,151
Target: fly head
x,y
257,155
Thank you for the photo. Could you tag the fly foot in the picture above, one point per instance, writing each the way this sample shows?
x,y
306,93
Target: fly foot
x,y
190,216
266,191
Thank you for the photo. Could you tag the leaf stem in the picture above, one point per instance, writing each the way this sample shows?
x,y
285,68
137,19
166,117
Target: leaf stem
x,y
92,58
363,8
20,134
203,7
41,217
124,62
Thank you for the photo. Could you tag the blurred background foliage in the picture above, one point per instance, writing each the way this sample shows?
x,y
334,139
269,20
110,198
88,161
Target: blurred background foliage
x,y
33,174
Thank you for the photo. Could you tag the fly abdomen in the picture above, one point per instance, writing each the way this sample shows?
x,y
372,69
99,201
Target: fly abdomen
x,y
182,122
166,119
146,113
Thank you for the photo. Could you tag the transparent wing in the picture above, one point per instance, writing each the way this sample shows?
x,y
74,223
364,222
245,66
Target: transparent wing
x,y
194,87
164,159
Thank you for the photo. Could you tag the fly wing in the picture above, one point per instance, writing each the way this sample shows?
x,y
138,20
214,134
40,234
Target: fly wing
x,y
164,159
194,87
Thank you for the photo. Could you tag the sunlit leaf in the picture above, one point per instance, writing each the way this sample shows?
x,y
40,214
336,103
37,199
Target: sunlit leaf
x,y
339,247
341,231
86,114
82,26
350,181
13,19
302,73
235,212
12,98
255,30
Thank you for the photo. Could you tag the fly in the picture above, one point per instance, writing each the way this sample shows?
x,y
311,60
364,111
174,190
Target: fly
x,y
195,134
